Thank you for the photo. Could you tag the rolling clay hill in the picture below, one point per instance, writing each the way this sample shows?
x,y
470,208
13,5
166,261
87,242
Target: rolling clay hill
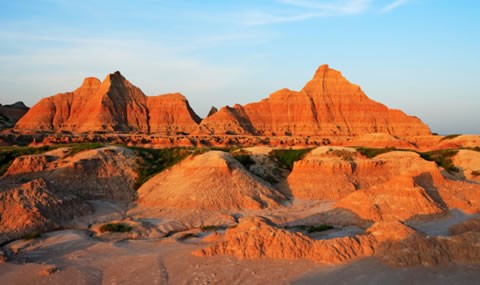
x,y
328,105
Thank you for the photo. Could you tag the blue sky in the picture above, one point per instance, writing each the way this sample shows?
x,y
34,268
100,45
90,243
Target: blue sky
x,y
421,56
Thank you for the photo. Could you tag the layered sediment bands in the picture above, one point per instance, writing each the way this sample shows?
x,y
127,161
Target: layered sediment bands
x,y
10,114
327,105
112,105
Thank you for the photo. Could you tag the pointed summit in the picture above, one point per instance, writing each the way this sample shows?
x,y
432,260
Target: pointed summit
x,y
91,82
212,111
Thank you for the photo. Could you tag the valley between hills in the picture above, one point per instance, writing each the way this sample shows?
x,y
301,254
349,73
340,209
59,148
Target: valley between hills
x,y
106,185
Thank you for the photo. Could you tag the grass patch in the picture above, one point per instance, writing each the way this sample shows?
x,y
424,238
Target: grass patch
x,y
313,228
79,147
244,159
449,137
153,161
286,157
372,152
343,154
210,228
31,236
115,228
442,158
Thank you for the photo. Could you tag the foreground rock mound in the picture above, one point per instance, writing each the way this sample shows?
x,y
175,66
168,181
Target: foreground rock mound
x,y
395,243
112,105
328,105
10,114
210,181
32,207
40,192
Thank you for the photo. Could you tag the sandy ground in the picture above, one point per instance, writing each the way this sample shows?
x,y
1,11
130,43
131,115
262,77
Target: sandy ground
x,y
78,257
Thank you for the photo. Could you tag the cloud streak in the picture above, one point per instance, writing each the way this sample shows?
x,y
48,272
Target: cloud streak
x,y
394,5
310,9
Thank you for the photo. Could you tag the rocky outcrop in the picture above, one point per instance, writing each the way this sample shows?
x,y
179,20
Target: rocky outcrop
x,y
112,105
397,185
10,114
210,181
32,207
393,242
328,105
468,162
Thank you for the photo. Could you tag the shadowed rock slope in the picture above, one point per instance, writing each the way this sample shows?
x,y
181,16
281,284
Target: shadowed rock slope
x,y
10,114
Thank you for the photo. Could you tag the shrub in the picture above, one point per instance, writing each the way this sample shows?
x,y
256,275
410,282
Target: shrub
x,y
449,137
115,227
313,228
442,158
344,154
244,159
188,235
372,152
209,228
286,157
31,236
476,173
151,161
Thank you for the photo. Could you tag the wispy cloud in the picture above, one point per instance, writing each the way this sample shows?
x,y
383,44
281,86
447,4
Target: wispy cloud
x,y
394,5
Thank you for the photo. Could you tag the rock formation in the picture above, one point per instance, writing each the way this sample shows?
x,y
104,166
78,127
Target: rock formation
x,y
210,181
10,114
112,105
327,105
39,192
397,185
394,242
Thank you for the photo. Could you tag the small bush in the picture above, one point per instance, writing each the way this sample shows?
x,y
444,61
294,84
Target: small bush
x,y
449,137
31,236
313,228
209,228
442,158
476,173
287,157
344,154
115,227
152,161
372,152
244,159
188,235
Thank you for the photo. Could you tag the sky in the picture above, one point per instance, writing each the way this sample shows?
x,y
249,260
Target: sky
x,y
420,56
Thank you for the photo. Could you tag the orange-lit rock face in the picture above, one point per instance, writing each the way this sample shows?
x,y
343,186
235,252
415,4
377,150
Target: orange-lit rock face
x,y
327,105
112,105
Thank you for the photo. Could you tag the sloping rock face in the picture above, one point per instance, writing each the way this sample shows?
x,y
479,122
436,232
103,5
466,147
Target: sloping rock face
x,y
10,114
210,181
327,105
112,105
468,161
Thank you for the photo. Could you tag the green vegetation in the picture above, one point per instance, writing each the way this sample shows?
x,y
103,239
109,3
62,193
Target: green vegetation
x,y
344,154
31,236
115,227
152,161
442,158
79,147
210,228
188,235
287,157
313,228
449,137
244,159
372,152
